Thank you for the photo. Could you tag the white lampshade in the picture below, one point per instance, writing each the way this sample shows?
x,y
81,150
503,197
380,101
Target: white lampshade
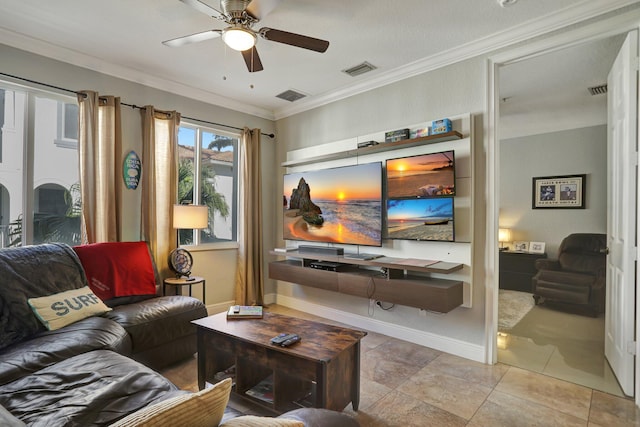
x,y
238,38
190,216
504,235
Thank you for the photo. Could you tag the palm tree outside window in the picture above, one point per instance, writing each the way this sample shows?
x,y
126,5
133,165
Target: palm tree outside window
x,y
207,175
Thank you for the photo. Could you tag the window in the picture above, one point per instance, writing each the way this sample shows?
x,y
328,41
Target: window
x,y
40,194
50,199
208,175
56,216
67,129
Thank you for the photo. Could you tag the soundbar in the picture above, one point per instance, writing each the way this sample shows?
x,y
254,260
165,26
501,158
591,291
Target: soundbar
x,y
320,250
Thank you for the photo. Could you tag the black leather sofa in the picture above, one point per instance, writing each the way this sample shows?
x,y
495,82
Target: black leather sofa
x,y
97,370
86,373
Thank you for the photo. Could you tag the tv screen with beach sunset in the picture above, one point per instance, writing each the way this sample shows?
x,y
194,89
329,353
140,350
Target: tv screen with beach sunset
x,y
426,175
339,205
420,219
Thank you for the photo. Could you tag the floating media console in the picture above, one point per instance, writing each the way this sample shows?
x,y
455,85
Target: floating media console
x,y
397,285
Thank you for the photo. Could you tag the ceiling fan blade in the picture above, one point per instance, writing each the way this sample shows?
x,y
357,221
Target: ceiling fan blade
x,y
252,59
293,39
204,8
261,8
193,38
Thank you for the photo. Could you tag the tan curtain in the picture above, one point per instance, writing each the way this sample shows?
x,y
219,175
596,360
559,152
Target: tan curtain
x,y
159,182
249,279
100,146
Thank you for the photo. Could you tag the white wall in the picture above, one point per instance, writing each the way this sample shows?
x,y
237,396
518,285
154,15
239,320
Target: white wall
x,y
446,92
578,151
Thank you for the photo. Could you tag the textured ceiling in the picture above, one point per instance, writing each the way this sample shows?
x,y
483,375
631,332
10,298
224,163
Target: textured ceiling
x,y
123,38
549,92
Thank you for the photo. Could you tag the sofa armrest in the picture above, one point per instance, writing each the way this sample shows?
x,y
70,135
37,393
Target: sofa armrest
x,y
547,264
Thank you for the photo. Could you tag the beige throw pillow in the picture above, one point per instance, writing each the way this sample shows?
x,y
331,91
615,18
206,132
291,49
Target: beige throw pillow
x,y
202,409
254,421
58,310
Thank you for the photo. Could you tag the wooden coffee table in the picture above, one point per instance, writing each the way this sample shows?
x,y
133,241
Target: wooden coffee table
x,y
322,370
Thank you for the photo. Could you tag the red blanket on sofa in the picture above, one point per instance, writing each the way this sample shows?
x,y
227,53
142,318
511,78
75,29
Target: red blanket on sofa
x,y
117,269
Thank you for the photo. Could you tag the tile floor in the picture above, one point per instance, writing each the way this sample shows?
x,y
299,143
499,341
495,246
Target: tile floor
x,y
404,384
561,345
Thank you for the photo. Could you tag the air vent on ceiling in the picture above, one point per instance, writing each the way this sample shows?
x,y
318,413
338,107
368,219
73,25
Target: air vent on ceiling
x,y
598,90
290,95
365,67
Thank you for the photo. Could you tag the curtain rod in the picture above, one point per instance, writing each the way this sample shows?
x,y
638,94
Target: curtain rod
x,y
270,135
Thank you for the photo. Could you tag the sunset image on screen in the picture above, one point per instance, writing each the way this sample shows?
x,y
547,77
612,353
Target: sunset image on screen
x,y
427,175
340,205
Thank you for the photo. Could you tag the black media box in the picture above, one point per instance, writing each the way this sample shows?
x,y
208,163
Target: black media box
x,y
365,144
328,266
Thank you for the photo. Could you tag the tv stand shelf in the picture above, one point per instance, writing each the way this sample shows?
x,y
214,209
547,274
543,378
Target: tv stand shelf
x,y
395,285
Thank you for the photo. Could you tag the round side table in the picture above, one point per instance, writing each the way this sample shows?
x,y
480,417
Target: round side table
x,y
177,282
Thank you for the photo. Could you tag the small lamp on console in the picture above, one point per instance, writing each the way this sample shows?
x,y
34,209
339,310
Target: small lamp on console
x,y
504,236
186,217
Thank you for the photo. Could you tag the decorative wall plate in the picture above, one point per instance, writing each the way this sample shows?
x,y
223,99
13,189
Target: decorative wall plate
x,y
132,170
181,261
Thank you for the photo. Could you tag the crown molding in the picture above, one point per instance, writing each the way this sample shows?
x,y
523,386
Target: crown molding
x,y
571,15
69,56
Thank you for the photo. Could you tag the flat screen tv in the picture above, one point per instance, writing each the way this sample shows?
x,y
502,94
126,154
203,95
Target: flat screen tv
x,y
338,205
425,175
421,219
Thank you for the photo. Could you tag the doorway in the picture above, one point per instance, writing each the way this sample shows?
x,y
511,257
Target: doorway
x,y
552,122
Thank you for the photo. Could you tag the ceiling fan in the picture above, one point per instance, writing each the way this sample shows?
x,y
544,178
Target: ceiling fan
x,y
241,16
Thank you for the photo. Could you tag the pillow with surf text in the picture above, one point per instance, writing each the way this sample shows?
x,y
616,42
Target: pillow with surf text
x,y
59,310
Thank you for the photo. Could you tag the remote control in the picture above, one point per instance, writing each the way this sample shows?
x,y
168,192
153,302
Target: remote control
x,y
290,341
281,338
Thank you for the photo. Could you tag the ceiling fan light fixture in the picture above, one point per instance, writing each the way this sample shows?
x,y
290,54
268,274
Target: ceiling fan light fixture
x,y
239,38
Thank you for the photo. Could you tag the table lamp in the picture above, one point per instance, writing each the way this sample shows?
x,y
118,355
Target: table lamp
x,y
186,217
504,236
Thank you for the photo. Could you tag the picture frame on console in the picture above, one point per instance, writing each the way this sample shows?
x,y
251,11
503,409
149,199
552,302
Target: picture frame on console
x,y
521,246
536,247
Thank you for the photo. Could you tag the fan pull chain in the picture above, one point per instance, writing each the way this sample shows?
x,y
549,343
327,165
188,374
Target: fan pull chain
x,y
224,66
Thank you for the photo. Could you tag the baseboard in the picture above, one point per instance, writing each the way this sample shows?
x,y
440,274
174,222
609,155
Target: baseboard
x,y
438,342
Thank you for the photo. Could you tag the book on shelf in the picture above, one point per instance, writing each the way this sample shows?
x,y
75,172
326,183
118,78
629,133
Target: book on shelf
x,y
263,390
287,249
244,312
230,372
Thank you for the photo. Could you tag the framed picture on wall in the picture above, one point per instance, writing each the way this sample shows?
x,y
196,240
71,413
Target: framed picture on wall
x,y
521,246
536,247
559,192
